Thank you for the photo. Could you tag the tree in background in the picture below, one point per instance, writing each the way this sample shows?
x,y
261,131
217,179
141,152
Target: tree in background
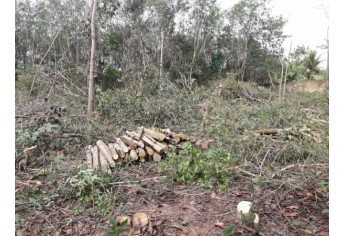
x,y
311,63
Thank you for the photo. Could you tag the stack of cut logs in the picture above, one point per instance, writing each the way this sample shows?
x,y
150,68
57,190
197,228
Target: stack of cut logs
x,y
143,145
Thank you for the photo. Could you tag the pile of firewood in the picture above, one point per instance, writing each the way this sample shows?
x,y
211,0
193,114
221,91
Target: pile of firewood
x,y
143,145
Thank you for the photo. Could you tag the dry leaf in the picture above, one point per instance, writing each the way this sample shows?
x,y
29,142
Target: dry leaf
x,y
220,225
190,208
140,219
150,229
291,214
293,207
307,231
180,227
213,195
181,234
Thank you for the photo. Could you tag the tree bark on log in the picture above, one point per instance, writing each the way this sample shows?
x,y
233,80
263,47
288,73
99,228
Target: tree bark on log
x,y
133,154
119,151
104,163
149,150
89,157
136,136
113,151
141,154
122,145
129,141
154,134
106,152
269,131
153,144
156,157
95,161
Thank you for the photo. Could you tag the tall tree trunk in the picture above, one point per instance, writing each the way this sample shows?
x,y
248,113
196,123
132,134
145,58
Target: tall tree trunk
x,y
327,54
142,51
195,49
161,59
91,97
243,67
281,80
33,49
286,69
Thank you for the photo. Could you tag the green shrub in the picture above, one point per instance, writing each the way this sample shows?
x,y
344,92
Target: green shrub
x,y
192,166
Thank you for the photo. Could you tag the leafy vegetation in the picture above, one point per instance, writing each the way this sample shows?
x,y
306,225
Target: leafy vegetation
x,y
154,70
193,167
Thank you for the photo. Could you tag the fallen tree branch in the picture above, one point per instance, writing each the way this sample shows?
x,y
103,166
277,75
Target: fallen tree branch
x,y
246,172
258,200
306,165
138,181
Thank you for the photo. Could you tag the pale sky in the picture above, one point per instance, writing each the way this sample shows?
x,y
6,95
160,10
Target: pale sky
x,y
307,23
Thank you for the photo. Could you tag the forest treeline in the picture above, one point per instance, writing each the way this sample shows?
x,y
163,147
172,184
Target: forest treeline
x,y
154,43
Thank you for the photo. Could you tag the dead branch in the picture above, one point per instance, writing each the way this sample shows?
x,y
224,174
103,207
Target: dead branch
x,y
138,181
306,165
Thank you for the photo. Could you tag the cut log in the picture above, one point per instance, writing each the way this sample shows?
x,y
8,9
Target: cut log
x,y
140,132
95,154
164,146
149,150
154,134
167,132
204,145
122,145
192,139
119,150
129,141
153,144
269,131
183,137
104,163
106,152
89,157
156,157
113,151
175,139
136,136
133,154
141,154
